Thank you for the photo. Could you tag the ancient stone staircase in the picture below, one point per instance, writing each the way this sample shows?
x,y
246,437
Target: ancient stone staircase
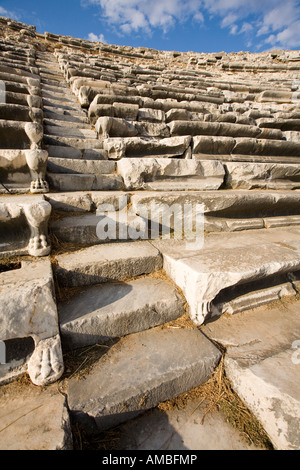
x,y
110,135
68,136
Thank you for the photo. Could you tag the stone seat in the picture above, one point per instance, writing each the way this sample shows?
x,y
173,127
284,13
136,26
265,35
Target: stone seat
x,y
226,264
161,174
213,128
146,147
221,145
17,112
277,123
115,309
63,151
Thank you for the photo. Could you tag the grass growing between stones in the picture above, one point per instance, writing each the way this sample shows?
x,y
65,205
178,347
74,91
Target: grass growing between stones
x,y
218,396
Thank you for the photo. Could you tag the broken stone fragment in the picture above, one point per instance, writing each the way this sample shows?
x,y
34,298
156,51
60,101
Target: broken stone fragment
x,y
138,147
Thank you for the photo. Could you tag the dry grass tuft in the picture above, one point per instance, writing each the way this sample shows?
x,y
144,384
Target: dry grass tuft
x,y
217,396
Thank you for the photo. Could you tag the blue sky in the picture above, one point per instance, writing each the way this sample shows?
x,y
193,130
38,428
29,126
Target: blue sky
x,y
180,25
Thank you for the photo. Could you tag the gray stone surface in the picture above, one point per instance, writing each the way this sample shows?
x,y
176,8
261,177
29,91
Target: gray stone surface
x,y
181,430
34,419
145,173
85,182
262,363
224,261
28,309
112,310
115,261
161,363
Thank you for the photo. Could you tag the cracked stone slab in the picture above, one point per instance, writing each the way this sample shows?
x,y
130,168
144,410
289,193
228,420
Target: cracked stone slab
x,y
139,372
262,362
32,419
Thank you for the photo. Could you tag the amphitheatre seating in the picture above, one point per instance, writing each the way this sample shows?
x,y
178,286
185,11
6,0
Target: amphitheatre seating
x,y
23,161
117,138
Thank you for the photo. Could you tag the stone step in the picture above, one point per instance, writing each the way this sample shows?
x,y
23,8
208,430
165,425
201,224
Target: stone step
x,y
216,145
262,364
161,174
65,116
60,123
72,106
69,132
84,182
34,418
240,175
93,229
218,211
227,263
61,152
163,363
112,262
75,166
247,158
85,202
277,123
239,207
53,94
112,310
74,113
76,142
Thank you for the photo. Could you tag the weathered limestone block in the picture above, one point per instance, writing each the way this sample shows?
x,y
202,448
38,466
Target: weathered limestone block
x,y
33,101
152,129
262,364
262,175
113,127
204,275
178,114
29,76
138,147
103,404
277,123
278,97
28,309
116,309
273,134
114,106
292,136
127,111
141,173
24,225
213,145
266,147
213,128
152,115
13,135
12,112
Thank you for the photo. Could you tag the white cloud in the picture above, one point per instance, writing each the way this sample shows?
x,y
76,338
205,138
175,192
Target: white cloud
x,y
274,21
8,14
135,15
94,38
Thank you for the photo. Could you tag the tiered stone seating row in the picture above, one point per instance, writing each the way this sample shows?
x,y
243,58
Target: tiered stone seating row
x,y
109,135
